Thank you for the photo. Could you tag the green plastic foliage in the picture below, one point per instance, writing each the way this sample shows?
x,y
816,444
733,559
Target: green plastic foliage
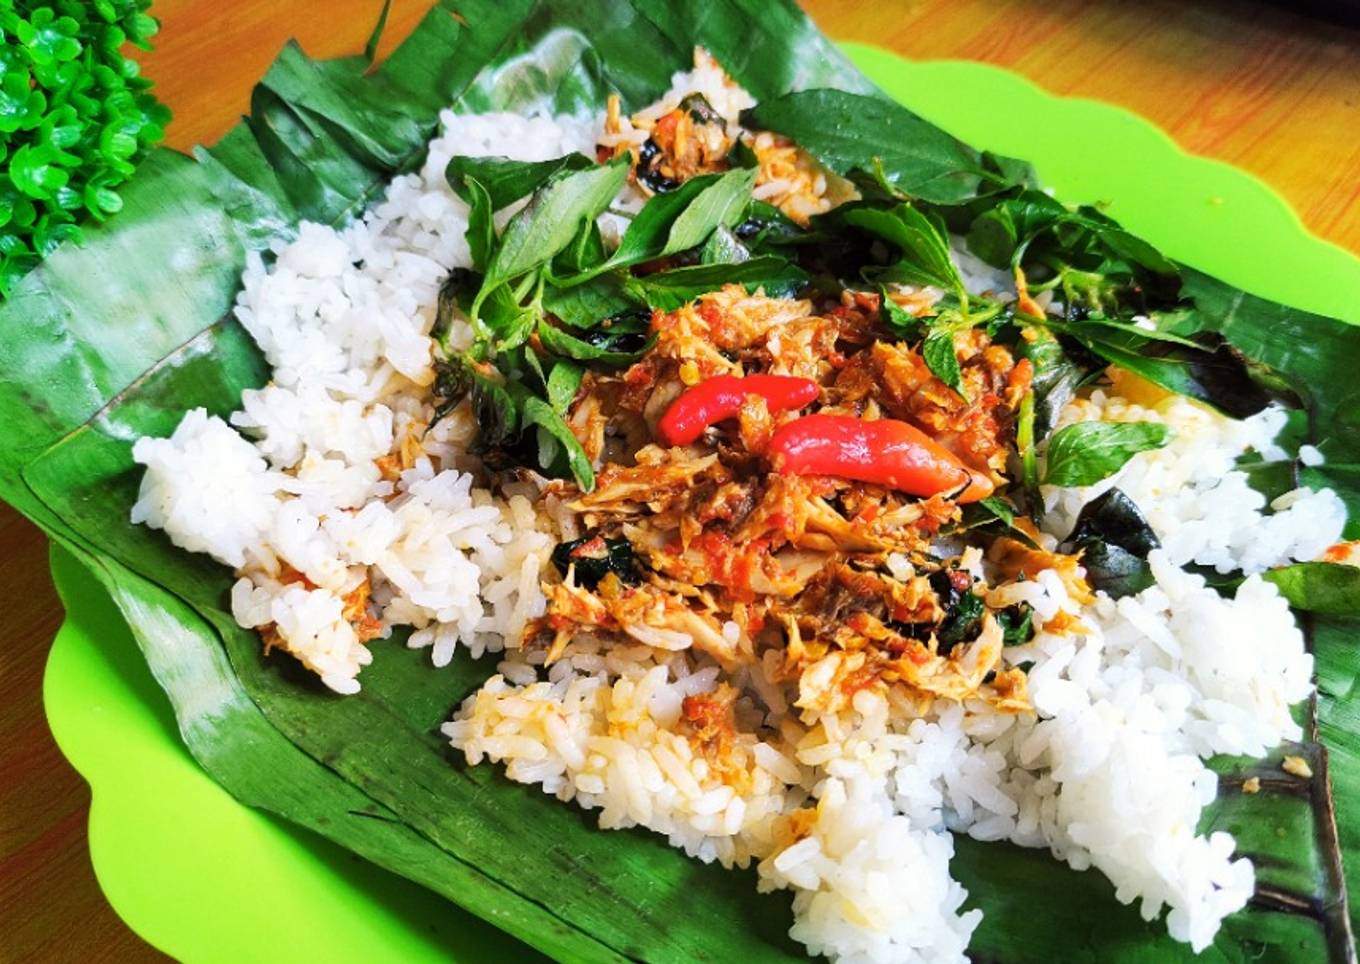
x,y
75,118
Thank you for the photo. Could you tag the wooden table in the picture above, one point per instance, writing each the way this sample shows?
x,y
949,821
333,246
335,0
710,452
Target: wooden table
x,y
1272,92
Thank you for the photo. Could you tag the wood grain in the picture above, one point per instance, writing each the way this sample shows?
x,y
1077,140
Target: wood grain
x,y
1272,92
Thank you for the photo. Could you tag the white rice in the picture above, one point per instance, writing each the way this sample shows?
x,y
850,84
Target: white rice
x,y
1202,508
343,317
849,811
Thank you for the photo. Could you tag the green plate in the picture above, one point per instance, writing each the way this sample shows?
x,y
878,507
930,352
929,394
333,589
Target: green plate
x,y
171,848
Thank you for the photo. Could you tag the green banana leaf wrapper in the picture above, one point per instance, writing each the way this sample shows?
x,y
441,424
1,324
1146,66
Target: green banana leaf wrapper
x,y
118,337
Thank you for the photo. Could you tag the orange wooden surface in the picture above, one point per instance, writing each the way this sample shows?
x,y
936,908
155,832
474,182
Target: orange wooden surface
x,y
1275,93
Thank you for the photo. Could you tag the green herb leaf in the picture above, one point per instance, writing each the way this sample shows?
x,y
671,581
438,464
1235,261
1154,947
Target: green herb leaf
x,y
1003,233
1214,373
1058,374
719,204
962,622
600,348
1017,625
855,132
723,247
1114,570
679,220
941,358
1000,508
994,516
563,382
1087,452
552,425
481,231
767,229
551,221
999,233
1115,539
586,305
497,405
585,252
594,558
505,322
506,180
455,294
1029,461
923,241
902,322
1328,588
1114,518
668,290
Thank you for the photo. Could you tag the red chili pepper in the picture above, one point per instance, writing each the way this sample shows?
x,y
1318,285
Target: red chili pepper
x,y
721,398
884,452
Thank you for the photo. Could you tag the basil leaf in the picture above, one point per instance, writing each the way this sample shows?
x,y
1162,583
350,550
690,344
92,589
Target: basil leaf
x,y
585,252
1000,234
1214,374
586,305
506,180
594,558
1115,539
941,359
507,322
1017,625
923,241
1138,334
562,384
1011,169
741,155
481,231
1114,518
993,516
497,407
1004,232
551,221
505,409
455,295
668,290
681,219
1087,452
857,132
1329,588
1000,508
531,361
723,247
1114,570
561,343
963,621
994,236
719,204
901,322
1059,370
766,226
1029,463
552,426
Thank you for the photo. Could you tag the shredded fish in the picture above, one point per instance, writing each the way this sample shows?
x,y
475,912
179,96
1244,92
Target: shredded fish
x,y
736,561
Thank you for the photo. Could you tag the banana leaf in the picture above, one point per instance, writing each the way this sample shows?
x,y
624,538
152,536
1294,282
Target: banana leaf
x,y
116,338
